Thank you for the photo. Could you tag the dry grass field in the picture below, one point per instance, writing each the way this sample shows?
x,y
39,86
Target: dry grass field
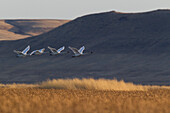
x,y
5,34
19,29
41,99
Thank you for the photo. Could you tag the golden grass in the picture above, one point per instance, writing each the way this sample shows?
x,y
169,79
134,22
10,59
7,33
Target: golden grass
x,y
83,96
14,85
89,84
36,100
92,84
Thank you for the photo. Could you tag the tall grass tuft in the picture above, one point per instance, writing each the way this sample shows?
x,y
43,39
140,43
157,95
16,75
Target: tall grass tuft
x,y
99,84
89,84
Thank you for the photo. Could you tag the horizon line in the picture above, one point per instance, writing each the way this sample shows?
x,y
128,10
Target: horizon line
x,y
54,18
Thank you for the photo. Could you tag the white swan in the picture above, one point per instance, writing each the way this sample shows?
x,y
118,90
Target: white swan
x,y
77,52
54,51
22,53
38,52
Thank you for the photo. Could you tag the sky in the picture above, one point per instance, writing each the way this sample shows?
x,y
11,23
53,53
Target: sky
x,y
70,9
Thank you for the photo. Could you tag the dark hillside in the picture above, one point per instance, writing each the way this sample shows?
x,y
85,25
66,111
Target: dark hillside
x,y
133,47
111,31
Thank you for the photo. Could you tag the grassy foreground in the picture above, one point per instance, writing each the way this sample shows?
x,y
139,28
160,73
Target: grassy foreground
x,y
33,100
83,96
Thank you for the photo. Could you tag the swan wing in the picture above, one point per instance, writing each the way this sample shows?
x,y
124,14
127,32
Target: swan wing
x,y
60,49
81,50
75,50
53,50
25,51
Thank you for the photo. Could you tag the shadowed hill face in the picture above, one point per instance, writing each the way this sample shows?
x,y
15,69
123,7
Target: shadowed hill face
x,y
132,47
19,29
113,33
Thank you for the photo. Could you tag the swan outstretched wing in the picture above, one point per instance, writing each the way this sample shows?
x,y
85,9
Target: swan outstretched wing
x,y
18,52
53,50
60,49
75,50
33,52
40,51
25,51
81,50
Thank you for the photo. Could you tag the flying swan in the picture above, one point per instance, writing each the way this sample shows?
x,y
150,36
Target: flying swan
x,y
54,51
38,52
77,52
22,53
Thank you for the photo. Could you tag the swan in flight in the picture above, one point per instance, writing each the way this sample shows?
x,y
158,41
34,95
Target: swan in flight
x,y
54,51
77,52
22,53
38,52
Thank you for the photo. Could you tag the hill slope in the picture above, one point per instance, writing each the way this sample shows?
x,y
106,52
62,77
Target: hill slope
x,y
133,47
19,29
